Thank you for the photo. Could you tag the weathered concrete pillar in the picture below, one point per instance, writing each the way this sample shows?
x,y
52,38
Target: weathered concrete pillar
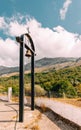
x,y
9,94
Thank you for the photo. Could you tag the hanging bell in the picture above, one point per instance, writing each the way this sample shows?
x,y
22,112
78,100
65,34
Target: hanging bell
x,y
28,53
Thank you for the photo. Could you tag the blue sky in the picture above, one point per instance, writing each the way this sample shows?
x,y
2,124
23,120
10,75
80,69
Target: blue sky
x,y
55,26
45,11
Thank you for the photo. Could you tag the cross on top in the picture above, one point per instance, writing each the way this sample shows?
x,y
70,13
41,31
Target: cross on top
x,y
28,30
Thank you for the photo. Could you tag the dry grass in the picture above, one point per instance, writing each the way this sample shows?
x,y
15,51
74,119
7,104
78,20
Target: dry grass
x,y
15,117
15,99
74,101
33,125
43,108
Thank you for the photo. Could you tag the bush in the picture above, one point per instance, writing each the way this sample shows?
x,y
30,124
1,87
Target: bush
x,y
38,90
78,90
62,88
15,90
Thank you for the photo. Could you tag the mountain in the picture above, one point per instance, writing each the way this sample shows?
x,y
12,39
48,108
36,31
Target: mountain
x,y
44,62
7,70
52,61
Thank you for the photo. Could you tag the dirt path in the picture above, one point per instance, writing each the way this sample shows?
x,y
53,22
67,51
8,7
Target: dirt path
x,y
33,120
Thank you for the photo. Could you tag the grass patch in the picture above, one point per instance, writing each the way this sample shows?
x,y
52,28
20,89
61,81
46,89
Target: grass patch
x,y
33,125
43,108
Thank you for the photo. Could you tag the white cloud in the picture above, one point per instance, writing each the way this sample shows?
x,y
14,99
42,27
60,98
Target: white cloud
x,y
56,43
8,52
64,10
2,23
48,43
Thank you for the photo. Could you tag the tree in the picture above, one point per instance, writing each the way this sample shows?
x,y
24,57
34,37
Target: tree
x,y
78,90
47,86
64,87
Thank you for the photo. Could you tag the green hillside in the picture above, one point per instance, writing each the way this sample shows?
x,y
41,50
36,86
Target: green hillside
x,y
64,82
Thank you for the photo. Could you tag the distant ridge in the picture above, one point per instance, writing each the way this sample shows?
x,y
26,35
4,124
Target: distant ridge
x,y
41,63
51,61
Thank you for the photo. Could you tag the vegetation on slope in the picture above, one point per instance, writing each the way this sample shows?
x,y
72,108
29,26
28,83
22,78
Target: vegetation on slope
x,y
65,82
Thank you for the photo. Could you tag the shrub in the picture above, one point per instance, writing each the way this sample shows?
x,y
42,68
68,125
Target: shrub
x,y
39,91
78,90
64,87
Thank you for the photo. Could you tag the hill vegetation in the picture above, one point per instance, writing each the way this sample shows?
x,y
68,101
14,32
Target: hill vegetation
x,y
62,82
